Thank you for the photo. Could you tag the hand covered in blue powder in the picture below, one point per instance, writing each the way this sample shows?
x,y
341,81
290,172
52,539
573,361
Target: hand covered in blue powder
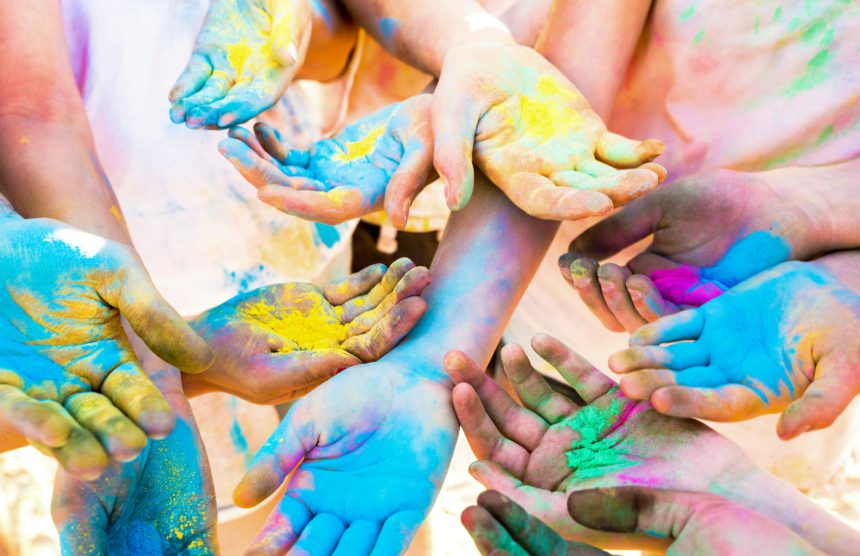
x,y
780,342
387,155
163,502
246,55
69,380
279,342
550,446
710,232
368,451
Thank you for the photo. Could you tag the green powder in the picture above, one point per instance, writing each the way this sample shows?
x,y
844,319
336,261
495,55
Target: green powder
x,y
592,456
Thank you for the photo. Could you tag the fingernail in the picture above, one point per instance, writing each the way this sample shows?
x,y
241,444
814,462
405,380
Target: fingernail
x,y
635,295
226,119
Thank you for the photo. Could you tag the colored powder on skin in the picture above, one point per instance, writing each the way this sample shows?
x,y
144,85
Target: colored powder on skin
x,y
592,456
388,26
542,114
699,36
362,147
237,55
688,13
327,234
237,436
309,324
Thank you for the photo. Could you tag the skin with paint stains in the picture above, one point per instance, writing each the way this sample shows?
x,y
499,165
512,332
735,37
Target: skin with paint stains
x,y
163,502
387,155
710,232
277,343
524,450
69,380
245,56
696,524
780,342
534,135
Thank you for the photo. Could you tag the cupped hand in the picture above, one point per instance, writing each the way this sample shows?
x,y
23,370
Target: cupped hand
x,y
710,232
781,341
279,342
387,155
541,451
367,452
529,129
161,503
69,380
246,54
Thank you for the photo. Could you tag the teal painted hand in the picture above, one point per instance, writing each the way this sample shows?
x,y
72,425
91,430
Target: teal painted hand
x,y
780,342
529,129
540,452
246,55
368,451
69,380
161,503
387,155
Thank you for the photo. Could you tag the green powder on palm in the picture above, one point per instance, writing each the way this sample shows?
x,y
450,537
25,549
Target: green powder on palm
x,y
590,455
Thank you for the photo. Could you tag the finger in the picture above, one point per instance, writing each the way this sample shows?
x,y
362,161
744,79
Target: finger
x,y
387,331
823,401
613,285
270,140
657,169
359,304
257,171
121,438
686,325
641,384
81,455
215,88
538,196
583,278
621,186
291,375
397,533
731,402
531,388
338,292
242,134
621,152
677,357
246,101
411,285
131,391
281,453
282,528
484,438
320,536
191,79
33,419
647,299
494,477
358,539
81,520
514,421
454,118
154,320
609,236
408,180
588,382
289,27
488,534
314,203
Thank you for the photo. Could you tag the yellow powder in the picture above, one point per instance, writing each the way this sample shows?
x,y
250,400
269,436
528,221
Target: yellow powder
x,y
309,322
362,147
237,55
543,114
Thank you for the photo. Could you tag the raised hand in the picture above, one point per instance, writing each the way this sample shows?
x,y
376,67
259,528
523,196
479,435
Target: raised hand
x,y
695,523
246,55
782,341
540,452
161,503
710,232
279,342
69,380
367,451
529,129
386,155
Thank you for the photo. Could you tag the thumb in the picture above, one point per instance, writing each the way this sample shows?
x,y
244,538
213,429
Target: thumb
x,y
153,319
408,180
635,221
621,152
291,23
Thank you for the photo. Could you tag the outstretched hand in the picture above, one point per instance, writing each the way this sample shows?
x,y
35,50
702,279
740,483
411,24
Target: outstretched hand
x,y
386,155
780,341
69,380
279,342
246,55
529,129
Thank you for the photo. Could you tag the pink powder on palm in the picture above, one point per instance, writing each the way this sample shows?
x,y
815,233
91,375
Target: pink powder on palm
x,y
684,285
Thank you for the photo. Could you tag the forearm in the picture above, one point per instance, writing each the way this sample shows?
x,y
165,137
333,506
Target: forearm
x,y
422,33
333,37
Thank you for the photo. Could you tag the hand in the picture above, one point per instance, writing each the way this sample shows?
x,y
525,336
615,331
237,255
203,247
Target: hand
x,y
711,232
367,451
539,453
780,341
279,342
696,524
69,380
388,154
246,55
534,135
161,503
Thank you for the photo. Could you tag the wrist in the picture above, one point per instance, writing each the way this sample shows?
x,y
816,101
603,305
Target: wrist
x,y
477,31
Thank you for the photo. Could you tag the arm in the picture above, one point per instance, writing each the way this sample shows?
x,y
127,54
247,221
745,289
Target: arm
x,y
48,160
